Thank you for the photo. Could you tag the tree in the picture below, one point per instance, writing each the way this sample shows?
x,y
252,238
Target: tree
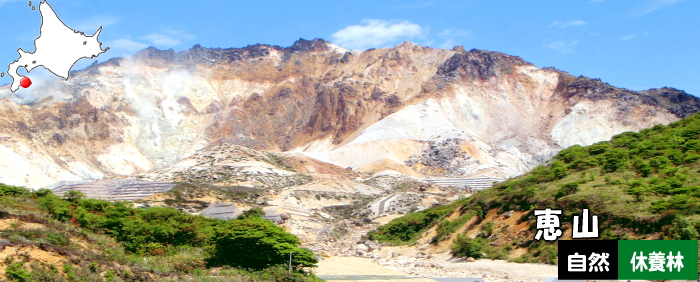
x,y
659,162
638,189
567,189
258,243
256,212
73,195
599,148
614,160
643,168
559,170
681,229
12,190
16,272
464,246
575,152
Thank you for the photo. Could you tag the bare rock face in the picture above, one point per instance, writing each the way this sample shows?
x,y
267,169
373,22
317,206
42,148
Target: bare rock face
x,y
411,110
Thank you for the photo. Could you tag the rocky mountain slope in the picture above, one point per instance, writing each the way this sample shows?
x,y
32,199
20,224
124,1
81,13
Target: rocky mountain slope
x,y
640,185
310,198
415,110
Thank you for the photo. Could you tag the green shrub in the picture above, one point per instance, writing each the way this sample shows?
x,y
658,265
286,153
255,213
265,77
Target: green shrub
x,y
256,212
567,189
659,162
642,167
487,229
57,239
638,189
682,203
572,153
73,195
691,158
614,160
681,229
692,145
6,190
447,227
599,148
39,272
407,228
256,243
559,170
463,246
16,272
70,272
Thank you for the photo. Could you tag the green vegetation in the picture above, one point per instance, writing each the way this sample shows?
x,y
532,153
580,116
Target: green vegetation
x,y
160,242
447,227
356,210
257,243
464,246
277,161
640,185
16,272
184,193
539,252
479,247
407,229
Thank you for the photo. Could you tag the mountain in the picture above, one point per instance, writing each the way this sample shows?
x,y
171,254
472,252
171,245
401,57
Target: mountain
x,y
641,185
418,111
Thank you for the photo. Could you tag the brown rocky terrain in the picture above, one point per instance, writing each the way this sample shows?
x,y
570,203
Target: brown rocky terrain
x,y
326,140
411,109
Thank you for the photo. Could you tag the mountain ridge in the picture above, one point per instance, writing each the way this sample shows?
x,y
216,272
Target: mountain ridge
x,y
131,115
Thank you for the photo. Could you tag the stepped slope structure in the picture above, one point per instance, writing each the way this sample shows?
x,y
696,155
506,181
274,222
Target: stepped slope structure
x,y
117,189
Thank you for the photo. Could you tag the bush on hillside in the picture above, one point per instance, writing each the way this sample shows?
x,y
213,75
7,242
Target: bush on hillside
x,y
681,229
12,190
407,228
463,246
16,272
256,212
256,243
567,189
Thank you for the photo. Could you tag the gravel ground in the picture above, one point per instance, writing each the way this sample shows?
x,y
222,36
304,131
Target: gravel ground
x,y
444,265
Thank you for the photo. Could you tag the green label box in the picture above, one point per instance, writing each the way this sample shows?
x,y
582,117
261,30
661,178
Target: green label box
x,y
658,259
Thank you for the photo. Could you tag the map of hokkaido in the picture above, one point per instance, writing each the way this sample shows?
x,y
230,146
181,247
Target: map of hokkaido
x,y
57,48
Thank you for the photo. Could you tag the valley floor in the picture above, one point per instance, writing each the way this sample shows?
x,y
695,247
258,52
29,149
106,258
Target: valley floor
x,y
343,259
366,269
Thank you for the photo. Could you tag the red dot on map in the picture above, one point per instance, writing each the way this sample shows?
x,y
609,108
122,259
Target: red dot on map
x,y
25,82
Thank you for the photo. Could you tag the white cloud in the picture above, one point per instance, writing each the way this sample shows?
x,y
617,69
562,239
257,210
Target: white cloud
x,y
562,46
161,39
455,33
451,37
126,45
92,24
652,6
168,38
448,44
568,23
179,33
628,37
376,33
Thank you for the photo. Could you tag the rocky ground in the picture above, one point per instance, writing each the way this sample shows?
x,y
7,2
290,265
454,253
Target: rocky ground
x,y
424,261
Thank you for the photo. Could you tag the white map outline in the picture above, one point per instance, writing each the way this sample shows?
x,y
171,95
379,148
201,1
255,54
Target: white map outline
x,y
58,48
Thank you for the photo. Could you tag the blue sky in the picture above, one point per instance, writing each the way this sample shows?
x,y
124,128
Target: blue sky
x,y
632,44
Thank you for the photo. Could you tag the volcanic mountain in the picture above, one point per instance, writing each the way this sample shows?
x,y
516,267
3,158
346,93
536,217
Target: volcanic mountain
x,y
415,110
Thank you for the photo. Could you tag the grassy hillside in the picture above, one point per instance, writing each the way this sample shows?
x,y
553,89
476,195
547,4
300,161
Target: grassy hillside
x,y
47,238
640,185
